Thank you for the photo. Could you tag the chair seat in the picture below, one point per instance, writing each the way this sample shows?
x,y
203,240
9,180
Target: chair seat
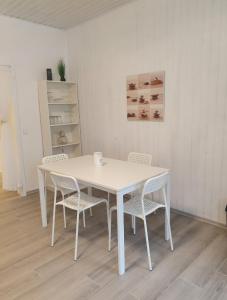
x,y
86,201
134,207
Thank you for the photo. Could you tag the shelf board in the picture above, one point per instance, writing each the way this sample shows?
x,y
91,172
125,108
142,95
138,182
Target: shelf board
x,y
64,124
65,145
61,82
64,103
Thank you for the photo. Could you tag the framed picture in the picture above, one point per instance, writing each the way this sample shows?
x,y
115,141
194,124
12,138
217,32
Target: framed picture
x,y
145,97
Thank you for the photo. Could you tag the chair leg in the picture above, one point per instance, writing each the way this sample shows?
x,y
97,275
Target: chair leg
x,y
147,243
108,220
53,222
76,238
84,222
89,191
134,224
45,187
169,229
63,208
64,216
110,224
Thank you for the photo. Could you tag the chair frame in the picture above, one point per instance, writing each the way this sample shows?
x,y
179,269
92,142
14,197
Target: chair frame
x,y
151,185
139,158
75,188
59,157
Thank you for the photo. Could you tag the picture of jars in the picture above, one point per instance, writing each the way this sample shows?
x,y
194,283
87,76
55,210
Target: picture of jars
x,y
141,99
132,97
131,86
144,114
154,97
156,81
145,97
132,83
156,114
131,115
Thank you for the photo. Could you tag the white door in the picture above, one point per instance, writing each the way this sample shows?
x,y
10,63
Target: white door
x,y
8,133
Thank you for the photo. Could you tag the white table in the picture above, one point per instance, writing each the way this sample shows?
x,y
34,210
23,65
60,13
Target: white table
x,y
116,176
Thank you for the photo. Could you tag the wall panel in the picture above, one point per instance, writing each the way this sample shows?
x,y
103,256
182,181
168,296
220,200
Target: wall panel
x,y
187,39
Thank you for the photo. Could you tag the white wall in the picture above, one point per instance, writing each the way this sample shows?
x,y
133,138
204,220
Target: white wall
x,y
187,39
30,49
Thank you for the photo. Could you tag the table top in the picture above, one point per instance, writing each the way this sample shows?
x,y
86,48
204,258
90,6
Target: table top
x,y
115,175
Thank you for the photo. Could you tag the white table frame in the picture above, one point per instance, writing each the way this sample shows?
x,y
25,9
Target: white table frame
x,y
120,210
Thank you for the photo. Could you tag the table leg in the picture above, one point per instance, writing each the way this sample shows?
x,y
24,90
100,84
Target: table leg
x,y
42,197
168,208
120,233
89,189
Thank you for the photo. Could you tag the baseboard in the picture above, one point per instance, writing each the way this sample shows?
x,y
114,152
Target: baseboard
x,y
204,220
32,192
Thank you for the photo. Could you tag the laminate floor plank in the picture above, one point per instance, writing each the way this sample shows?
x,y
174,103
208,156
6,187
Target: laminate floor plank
x,y
170,267
216,288
31,269
223,268
180,290
210,259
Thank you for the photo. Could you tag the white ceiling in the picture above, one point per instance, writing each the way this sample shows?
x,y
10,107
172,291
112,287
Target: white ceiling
x,y
61,14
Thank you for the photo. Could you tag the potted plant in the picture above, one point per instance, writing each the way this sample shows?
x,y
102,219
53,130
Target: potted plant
x,y
61,69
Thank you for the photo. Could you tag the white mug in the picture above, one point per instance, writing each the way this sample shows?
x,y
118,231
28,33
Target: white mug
x,y
98,158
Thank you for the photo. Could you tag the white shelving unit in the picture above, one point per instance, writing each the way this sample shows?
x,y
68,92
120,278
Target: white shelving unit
x,y
59,115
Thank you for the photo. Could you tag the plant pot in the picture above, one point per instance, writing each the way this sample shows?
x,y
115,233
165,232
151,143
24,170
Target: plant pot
x,y
49,74
62,78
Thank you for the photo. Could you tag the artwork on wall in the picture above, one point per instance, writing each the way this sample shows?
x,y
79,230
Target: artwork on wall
x,y
145,96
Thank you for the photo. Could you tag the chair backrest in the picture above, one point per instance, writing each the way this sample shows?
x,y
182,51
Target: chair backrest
x,y
53,158
140,158
65,182
155,184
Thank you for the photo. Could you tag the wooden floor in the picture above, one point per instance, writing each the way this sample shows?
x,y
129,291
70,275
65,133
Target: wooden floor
x,y
30,269
5,194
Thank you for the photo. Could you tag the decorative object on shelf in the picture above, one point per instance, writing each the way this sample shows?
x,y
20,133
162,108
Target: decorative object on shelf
x,y
54,120
62,138
61,69
49,74
145,96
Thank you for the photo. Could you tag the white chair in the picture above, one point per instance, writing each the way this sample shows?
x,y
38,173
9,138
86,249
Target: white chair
x,y
78,201
53,158
140,206
56,157
139,158
64,192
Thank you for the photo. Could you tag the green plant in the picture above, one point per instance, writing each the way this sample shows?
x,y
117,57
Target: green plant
x,y
61,69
